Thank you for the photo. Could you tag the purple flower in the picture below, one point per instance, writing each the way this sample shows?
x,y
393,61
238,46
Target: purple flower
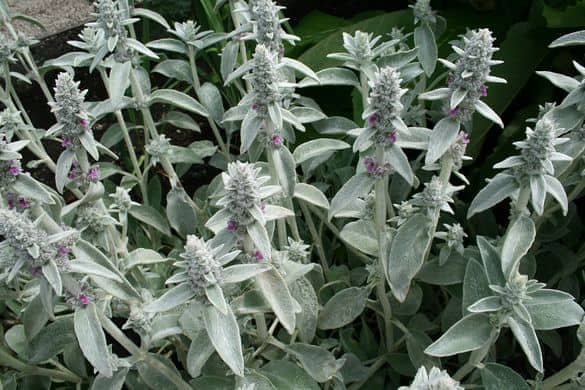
x,y
232,225
370,165
35,271
14,169
450,79
83,299
464,137
255,106
453,111
93,174
483,90
66,143
276,140
373,119
258,255
84,123
11,200
392,137
23,203
63,251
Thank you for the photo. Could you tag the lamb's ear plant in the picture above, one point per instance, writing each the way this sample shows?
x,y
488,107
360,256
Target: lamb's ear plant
x,y
312,251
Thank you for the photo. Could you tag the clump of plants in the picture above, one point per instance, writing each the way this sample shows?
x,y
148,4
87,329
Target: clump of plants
x,y
319,252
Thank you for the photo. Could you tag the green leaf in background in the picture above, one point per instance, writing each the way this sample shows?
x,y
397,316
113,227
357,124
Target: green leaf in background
x,y
92,339
494,376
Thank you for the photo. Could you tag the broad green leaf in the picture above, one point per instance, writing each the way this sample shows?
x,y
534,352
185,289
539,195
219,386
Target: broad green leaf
x,y
502,186
119,80
343,308
240,272
424,41
171,298
180,214
317,361
92,339
34,317
175,69
285,375
491,262
572,39
224,334
311,194
178,99
149,14
154,379
143,256
151,217
362,235
547,316
304,293
284,164
259,236
495,376
210,98
527,339
331,76
255,380
517,242
317,147
200,350
51,340
443,136
277,294
468,334
358,186
92,269
28,187
452,272
215,295
407,253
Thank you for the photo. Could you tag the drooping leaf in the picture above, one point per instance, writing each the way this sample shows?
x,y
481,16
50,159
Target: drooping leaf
x,y
407,254
224,333
468,334
92,339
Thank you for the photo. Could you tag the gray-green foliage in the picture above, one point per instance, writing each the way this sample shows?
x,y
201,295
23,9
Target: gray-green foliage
x,y
340,261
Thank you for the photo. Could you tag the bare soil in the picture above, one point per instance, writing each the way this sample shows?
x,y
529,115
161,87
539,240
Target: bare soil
x,y
55,15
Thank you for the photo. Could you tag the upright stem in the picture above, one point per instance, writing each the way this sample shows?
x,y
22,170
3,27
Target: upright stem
x,y
210,120
127,140
129,345
315,235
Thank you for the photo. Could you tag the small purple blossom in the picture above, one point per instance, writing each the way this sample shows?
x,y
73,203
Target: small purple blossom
x,y
23,203
66,143
276,140
464,137
255,106
14,169
232,225
373,119
392,137
35,271
450,79
83,299
258,255
453,111
93,174
63,251
370,165
483,90
84,123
